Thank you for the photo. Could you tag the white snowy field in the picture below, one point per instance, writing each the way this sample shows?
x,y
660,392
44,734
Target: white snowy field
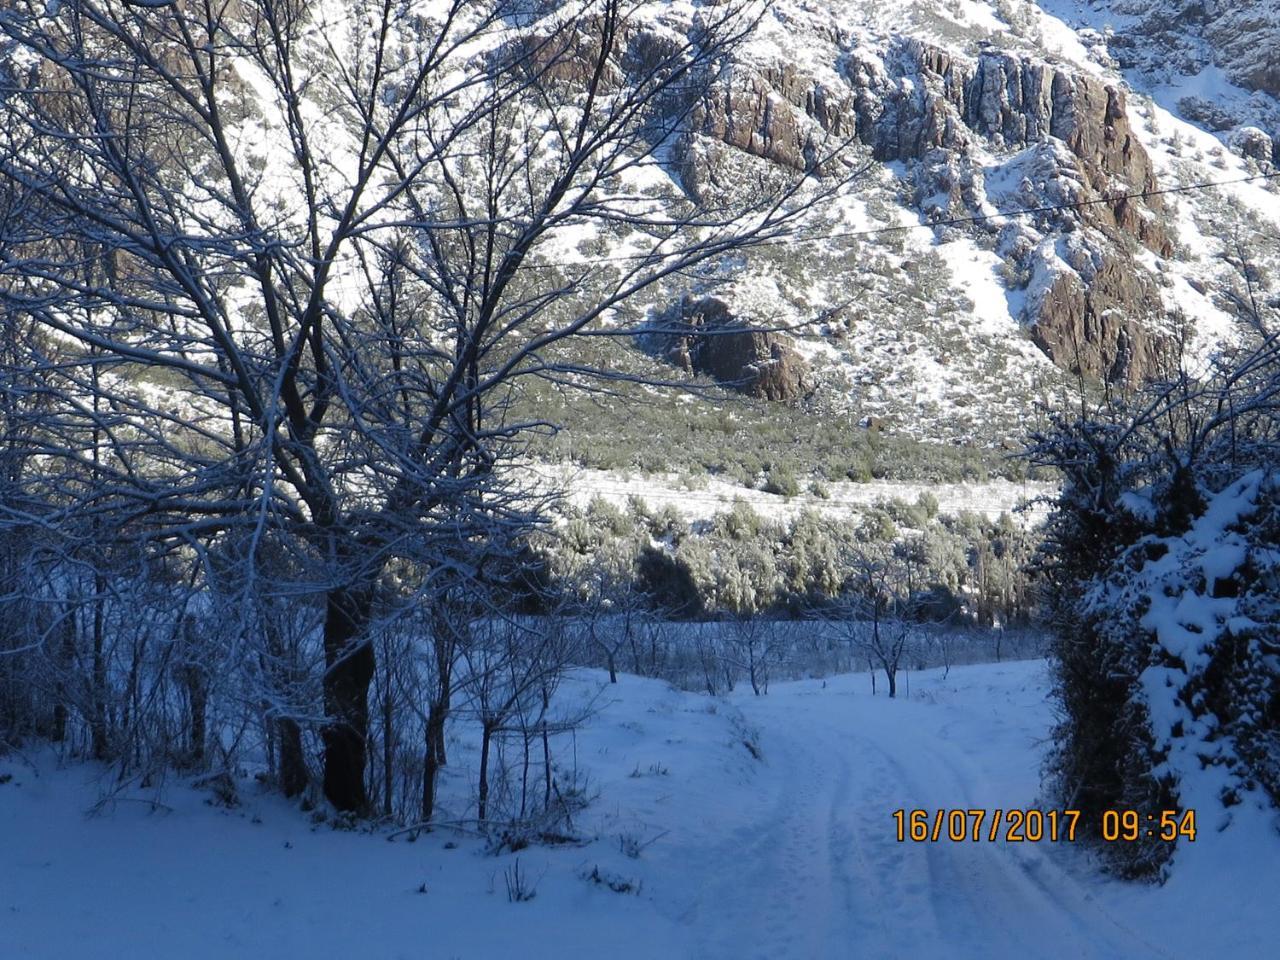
x,y
790,855
712,496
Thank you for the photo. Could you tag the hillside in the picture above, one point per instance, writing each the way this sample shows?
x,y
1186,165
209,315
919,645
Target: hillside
x,y
1013,201
964,332
560,477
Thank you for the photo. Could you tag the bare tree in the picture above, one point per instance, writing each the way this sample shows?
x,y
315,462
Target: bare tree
x,y
751,645
299,267
874,610
605,602
511,669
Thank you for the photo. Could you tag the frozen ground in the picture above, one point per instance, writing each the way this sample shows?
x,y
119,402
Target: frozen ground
x,y
789,855
706,497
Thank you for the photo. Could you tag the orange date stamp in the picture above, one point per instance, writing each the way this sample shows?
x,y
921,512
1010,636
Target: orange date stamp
x,y
1033,826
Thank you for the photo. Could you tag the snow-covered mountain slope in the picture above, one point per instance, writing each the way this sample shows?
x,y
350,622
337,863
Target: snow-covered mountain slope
x,y
793,854
702,500
964,110
1040,194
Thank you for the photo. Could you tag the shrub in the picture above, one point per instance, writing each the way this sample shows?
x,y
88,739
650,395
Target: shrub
x,y
1161,567
781,481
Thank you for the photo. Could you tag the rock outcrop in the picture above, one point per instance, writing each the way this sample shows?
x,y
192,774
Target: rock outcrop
x,y
931,100
919,102
1097,323
1240,36
1253,144
1245,35
759,363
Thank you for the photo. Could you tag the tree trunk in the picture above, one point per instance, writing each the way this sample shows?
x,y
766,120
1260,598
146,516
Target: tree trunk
x,y
546,752
198,692
486,737
349,664
98,682
388,749
293,763
443,641
431,760
893,682
442,760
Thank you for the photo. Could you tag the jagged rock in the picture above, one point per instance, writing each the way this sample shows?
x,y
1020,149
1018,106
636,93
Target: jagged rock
x,y
1101,323
1015,101
935,100
1252,144
759,363
1245,35
1240,36
751,114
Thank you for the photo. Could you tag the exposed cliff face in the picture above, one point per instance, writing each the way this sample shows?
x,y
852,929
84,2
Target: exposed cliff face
x,y
933,100
960,113
920,103
759,363
1240,36
1090,324
1245,35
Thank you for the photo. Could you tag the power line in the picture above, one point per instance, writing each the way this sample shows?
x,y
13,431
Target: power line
x,y
1049,208
950,221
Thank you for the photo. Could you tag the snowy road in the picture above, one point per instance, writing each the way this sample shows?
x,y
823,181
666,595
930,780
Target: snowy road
x,y
792,855
816,870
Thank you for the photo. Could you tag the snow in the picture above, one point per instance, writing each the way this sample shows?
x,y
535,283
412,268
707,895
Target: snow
x,y
975,272
1187,622
713,496
791,855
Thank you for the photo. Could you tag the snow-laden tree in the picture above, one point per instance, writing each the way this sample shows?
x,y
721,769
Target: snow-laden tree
x,y
297,258
1162,567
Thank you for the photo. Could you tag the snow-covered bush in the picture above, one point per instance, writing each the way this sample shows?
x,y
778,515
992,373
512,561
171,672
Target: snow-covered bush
x,y
1207,604
1162,568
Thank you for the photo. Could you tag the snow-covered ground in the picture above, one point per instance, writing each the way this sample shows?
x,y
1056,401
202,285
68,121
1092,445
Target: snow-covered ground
x,y
706,497
793,854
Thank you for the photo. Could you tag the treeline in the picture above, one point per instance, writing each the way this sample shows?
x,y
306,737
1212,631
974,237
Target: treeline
x,y
961,569
177,662
154,666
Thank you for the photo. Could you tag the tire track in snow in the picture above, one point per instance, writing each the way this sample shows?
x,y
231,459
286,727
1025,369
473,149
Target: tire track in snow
x,y
813,869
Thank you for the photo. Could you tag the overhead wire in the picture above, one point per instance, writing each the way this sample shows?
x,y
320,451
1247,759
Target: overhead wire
x,y
945,222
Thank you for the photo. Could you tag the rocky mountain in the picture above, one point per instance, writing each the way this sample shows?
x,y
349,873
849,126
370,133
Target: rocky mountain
x,y
1031,212
1028,198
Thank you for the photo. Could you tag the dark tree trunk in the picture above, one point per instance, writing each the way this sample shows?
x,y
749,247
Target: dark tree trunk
x,y
442,759
444,643
198,691
432,760
388,749
196,684
546,752
98,692
293,774
893,682
524,771
486,737
293,762
349,666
